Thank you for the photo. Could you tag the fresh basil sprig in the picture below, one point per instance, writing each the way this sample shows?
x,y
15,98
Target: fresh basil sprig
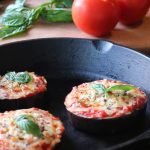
x,y
21,77
26,123
17,18
100,88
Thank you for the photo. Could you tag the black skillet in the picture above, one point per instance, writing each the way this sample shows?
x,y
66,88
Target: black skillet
x,y
69,62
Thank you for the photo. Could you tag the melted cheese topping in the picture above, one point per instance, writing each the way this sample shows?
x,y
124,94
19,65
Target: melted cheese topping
x,y
13,90
85,101
13,138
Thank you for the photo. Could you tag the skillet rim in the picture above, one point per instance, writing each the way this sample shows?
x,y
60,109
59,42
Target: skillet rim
x,y
133,50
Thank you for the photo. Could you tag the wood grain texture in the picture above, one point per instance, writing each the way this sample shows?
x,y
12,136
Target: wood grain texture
x,y
137,37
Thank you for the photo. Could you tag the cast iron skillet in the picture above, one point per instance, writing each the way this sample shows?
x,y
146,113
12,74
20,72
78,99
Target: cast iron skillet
x,y
69,62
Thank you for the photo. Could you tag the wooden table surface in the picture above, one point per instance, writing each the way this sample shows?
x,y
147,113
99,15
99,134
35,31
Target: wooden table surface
x,y
137,37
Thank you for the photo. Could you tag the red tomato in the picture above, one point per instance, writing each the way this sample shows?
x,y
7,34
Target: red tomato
x,y
132,11
95,17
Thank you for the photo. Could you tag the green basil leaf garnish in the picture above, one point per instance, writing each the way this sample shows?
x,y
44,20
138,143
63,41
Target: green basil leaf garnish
x,y
22,77
105,91
10,76
98,87
26,123
121,87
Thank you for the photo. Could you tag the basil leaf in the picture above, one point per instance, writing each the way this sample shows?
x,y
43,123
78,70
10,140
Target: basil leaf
x,y
11,31
68,3
20,117
14,19
22,77
21,23
25,122
99,88
20,2
34,14
121,87
12,8
18,6
62,3
57,15
10,75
